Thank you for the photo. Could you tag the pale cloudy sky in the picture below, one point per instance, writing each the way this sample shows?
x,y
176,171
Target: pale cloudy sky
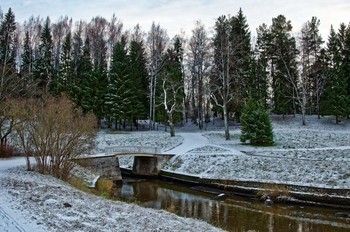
x,y
177,15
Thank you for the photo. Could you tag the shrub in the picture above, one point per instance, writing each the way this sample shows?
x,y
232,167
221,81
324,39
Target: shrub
x,y
7,151
256,124
55,131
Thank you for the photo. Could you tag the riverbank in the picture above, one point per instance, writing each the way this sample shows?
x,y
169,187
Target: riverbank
x,y
261,191
34,202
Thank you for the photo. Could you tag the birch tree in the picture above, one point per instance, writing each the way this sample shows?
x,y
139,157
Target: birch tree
x,y
222,79
156,44
172,83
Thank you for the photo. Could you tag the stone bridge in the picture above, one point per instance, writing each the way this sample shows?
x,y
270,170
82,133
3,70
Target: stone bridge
x,y
148,161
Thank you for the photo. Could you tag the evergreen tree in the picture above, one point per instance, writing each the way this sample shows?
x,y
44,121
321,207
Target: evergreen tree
x,y
28,86
242,57
43,67
7,55
27,57
256,124
139,78
63,83
119,96
344,46
232,65
283,66
263,55
83,85
335,100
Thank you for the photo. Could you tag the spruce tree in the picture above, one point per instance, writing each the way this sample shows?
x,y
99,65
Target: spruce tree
x,y
43,67
335,99
259,80
8,80
64,80
256,124
82,88
242,58
139,79
119,96
283,65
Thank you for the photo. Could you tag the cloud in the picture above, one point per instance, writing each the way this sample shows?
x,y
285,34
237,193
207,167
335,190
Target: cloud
x,y
177,15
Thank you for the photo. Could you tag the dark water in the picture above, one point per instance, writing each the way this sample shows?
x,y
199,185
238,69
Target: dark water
x,y
231,214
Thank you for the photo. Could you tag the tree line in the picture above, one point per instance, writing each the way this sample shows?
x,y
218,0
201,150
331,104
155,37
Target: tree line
x,y
125,76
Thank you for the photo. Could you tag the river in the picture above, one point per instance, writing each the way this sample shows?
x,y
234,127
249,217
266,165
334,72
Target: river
x,y
230,213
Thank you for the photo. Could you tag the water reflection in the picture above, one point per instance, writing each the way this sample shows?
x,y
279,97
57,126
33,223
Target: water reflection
x,y
232,214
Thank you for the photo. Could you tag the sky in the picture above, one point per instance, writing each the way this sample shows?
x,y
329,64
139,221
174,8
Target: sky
x,y
180,15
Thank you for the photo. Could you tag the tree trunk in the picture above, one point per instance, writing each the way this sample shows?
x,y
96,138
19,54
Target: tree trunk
x,y
171,125
303,117
227,129
154,103
150,103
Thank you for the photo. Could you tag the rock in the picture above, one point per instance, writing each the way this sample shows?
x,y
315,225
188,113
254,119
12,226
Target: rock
x,y
67,205
268,202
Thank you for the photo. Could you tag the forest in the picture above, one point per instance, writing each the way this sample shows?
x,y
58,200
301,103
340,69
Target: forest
x,y
123,76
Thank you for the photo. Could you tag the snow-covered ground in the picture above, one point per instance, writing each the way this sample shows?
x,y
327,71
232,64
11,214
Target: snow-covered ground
x,y
315,155
36,203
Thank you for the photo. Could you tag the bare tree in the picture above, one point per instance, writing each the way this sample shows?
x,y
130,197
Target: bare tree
x,y
97,30
59,31
171,90
198,57
114,29
222,78
156,42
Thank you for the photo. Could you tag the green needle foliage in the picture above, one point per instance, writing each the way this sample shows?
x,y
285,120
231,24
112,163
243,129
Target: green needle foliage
x,y
256,124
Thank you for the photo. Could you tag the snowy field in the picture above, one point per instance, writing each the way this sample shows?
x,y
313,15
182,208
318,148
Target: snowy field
x,y
317,154
36,203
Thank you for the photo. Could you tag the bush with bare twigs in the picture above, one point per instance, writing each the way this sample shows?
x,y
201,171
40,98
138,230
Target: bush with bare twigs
x,y
55,131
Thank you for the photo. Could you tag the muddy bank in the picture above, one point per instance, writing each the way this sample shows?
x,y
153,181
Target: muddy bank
x,y
330,197
286,193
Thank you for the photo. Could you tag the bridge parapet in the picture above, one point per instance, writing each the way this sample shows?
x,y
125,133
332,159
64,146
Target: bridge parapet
x,y
132,149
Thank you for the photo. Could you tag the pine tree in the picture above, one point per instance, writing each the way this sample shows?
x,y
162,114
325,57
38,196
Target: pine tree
x,y
256,124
